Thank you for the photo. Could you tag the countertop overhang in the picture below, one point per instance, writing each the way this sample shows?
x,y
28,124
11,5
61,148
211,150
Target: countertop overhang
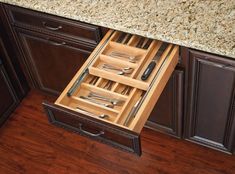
x,y
200,24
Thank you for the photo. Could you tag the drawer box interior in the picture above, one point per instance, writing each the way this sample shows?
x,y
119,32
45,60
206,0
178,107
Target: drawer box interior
x,y
112,89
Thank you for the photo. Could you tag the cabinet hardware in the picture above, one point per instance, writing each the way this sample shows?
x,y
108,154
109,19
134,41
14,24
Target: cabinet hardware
x,y
50,27
56,43
89,133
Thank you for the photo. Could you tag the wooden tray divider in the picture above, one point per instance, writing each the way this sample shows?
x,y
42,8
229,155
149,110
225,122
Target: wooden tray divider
x,y
101,90
125,106
132,41
97,57
158,64
115,87
122,47
119,78
90,108
95,105
114,61
116,35
149,55
98,81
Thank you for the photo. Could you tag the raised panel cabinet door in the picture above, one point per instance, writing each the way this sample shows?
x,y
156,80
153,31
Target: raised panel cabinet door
x,y
51,62
8,100
210,107
168,112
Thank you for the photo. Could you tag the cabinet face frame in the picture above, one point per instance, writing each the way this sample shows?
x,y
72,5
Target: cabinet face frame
x,y
174,127
11,91
53,25
195,60
32,70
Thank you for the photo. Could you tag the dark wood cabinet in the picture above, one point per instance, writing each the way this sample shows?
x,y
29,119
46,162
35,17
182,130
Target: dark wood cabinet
x,y
168,112
52,48
8,99
51,62
210,116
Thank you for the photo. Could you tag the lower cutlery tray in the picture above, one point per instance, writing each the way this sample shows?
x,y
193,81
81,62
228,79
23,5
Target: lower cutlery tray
x,y
107,100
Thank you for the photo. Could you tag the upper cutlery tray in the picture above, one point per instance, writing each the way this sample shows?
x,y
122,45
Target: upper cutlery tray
x,y
112,89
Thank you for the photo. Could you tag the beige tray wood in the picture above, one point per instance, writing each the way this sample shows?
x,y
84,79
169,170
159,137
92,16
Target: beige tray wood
x,y
155,92
118,116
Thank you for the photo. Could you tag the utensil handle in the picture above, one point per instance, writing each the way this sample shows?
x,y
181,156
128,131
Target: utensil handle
x,y
148,70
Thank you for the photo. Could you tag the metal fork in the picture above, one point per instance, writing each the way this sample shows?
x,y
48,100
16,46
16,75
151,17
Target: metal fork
x,y
108,85
126,90
130,58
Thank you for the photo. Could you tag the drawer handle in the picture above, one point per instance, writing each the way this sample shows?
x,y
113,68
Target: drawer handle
x,y
56,43
89,133
51,28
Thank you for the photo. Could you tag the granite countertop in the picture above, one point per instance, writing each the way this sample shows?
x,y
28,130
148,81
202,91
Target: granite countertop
x,y
207,25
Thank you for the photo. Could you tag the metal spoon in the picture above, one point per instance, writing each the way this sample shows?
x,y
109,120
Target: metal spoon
x,y
126,70
100,97
97,102
130,58
83,111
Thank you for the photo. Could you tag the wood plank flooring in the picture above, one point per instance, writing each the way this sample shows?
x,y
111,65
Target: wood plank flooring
x,y
30,145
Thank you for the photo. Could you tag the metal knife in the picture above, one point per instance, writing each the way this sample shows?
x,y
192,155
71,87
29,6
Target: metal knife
x,y
152,64
133,112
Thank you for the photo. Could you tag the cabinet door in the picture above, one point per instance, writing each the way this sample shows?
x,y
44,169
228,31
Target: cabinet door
x,y
210,106
8,100
51,62
167,113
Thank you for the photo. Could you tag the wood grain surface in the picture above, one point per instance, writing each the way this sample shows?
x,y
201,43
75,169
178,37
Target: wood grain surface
x,y
30,145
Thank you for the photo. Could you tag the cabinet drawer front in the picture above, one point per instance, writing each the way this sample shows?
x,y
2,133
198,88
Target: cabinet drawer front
x,y
121,100
54,25
97,130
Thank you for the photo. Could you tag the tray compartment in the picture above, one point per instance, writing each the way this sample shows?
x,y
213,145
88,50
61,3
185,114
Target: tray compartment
x,y
125,134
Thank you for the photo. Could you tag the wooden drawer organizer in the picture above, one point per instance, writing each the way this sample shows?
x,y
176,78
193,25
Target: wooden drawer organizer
x,y
128,88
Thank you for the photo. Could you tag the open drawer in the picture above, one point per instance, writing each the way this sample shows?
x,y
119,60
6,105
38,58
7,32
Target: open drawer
x,y
112,95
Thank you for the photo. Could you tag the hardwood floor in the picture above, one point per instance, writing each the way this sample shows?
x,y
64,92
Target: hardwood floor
x,y
30,145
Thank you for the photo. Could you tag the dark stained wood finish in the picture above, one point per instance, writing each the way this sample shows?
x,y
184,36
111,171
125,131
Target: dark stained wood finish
x,y
210,118
8,99
10,59
51,62
168,112
93,128
29,144
54,25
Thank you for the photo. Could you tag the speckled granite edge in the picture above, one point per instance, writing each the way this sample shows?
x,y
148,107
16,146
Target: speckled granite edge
x,y
187,24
